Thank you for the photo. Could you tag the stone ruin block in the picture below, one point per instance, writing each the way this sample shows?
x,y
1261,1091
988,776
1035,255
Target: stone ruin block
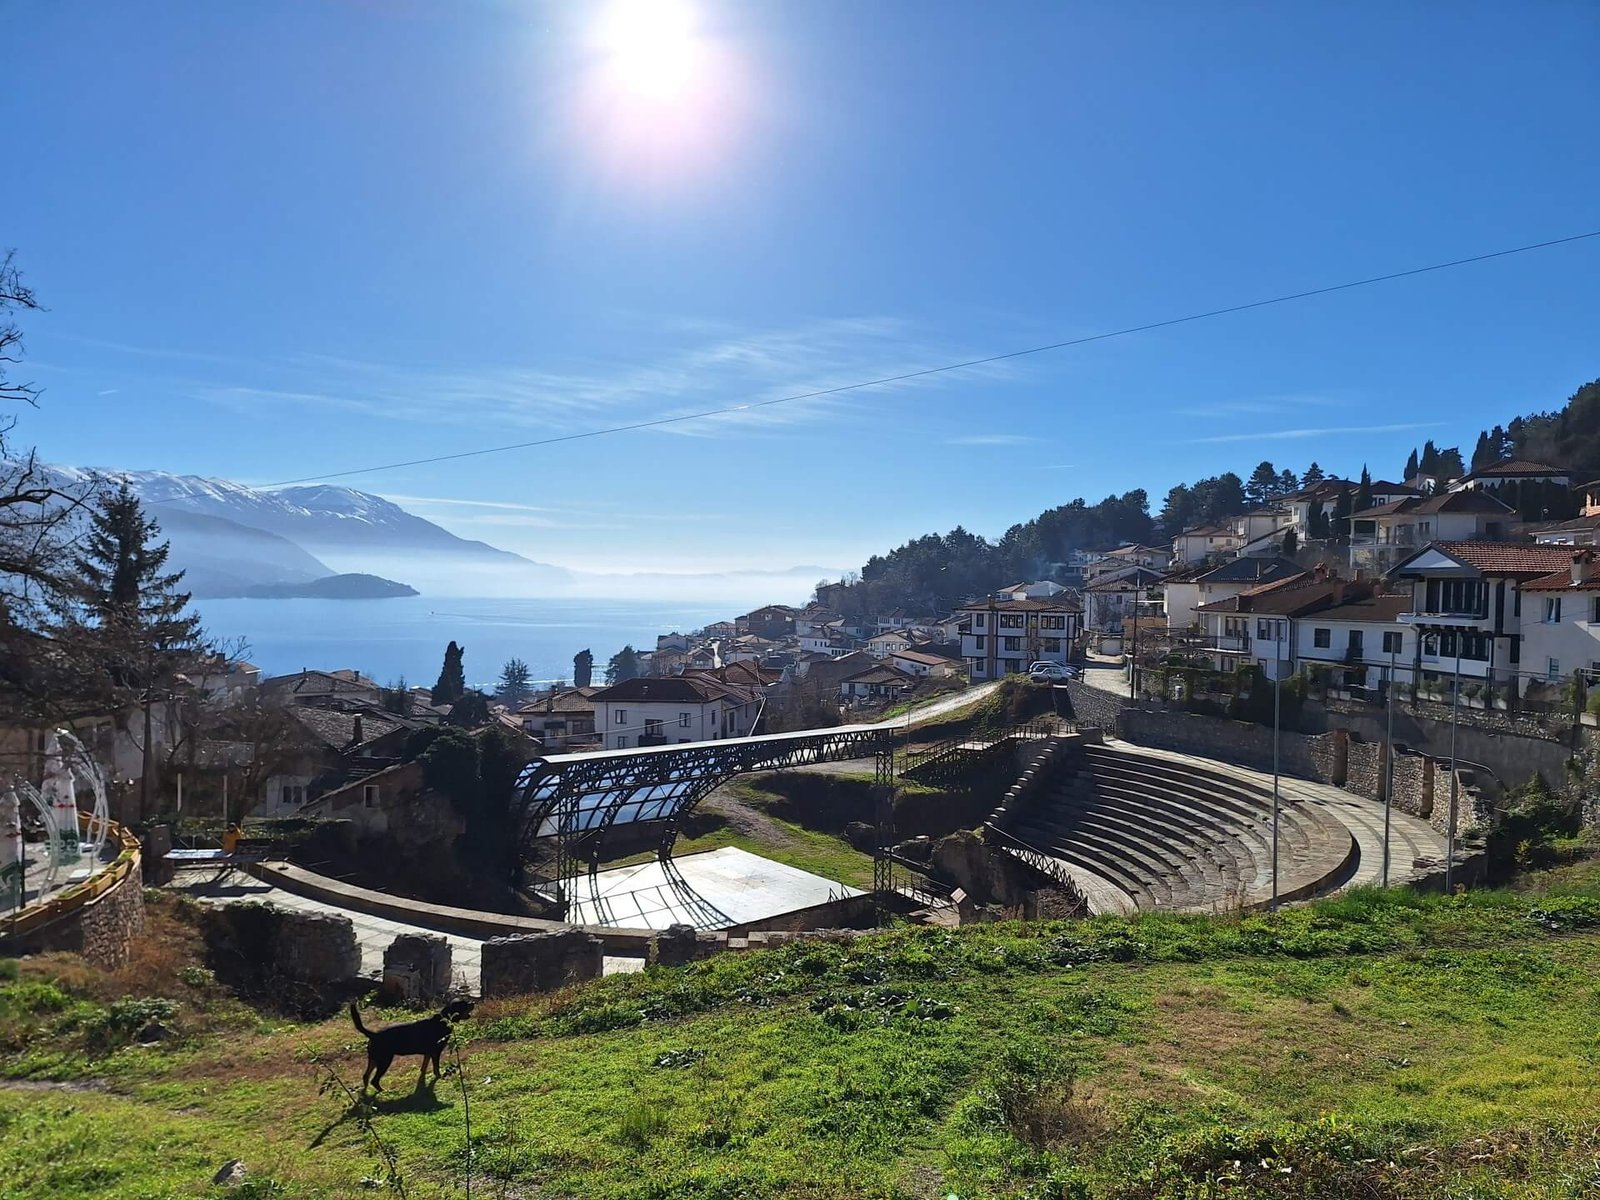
x,y
316,948
540,962
679,944
416,966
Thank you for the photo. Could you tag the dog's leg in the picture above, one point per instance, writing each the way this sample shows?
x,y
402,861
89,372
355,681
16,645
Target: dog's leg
x,y
422,1074
377,1078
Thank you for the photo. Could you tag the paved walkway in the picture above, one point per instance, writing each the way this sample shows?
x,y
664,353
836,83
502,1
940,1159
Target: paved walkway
x,y
373,934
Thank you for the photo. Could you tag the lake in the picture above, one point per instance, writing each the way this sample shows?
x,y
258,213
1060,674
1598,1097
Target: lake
x,y
406,636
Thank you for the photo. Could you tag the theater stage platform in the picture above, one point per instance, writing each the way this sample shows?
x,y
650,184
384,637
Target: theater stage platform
x,y
716,889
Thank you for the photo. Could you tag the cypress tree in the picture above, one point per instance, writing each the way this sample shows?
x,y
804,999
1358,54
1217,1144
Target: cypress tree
x,y
452,676
1411,466
1363,499
582,668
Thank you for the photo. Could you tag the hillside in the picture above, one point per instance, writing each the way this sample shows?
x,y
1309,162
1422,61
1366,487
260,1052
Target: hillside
x,y
1377,1045
331,587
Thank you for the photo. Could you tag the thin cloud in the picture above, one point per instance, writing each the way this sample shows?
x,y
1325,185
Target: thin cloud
x,y
108,392
1284,435
721,368
991,439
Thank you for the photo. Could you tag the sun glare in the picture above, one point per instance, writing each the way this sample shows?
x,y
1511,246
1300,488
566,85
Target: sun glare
x,y
652,48
664,95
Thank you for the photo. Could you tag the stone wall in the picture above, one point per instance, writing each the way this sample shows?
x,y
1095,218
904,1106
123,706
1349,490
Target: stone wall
x,y
297,957
1092,706
540,962
102,930
1238,742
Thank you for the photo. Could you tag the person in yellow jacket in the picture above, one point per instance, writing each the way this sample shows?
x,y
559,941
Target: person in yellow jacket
x,y
230,839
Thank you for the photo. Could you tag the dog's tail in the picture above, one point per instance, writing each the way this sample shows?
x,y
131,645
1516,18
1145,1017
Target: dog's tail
x,y
355,1015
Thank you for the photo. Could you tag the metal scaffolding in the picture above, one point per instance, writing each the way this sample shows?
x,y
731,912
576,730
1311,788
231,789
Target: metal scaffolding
x,y
578,801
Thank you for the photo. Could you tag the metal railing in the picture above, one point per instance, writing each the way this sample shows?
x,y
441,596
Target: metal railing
x,y
1041,861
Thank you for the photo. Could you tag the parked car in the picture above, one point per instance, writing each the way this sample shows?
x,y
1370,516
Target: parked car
x,y
1051,672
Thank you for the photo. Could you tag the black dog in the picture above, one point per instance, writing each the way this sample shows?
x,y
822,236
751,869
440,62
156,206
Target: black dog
x,y
426,1037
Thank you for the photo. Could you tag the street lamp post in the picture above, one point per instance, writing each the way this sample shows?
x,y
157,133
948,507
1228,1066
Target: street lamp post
x,y
1277,712
1388,758
1455,722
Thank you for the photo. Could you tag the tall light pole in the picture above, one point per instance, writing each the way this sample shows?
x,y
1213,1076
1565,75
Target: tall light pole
x,y
1455,722
1388,758
1277,712
1133,658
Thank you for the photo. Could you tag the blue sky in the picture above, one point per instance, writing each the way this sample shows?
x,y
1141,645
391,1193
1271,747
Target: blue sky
x,y
282,239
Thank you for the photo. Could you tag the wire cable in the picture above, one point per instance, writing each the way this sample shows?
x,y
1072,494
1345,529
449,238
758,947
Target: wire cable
x,y
657,422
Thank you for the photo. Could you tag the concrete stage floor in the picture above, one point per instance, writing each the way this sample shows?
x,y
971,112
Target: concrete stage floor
x,y
710,890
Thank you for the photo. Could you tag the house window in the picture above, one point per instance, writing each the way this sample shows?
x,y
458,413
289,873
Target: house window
x,y
288,795
1355,642
1552,610
1553,670
1013,643
619,717
1460,597
1594,611
683,720
1052,645
1267,630
369,795
982,641
1391,643
1322,638
978,621
1011,621
620,742
1052,622
652,728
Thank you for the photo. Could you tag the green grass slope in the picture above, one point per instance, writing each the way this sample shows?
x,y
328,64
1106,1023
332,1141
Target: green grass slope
x,y
1378,1045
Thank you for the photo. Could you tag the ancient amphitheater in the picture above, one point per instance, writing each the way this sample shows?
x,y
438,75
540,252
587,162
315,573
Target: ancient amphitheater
x,y
1141,828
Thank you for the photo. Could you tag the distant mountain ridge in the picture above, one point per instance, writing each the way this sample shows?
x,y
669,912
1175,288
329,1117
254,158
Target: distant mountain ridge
x,y
234,540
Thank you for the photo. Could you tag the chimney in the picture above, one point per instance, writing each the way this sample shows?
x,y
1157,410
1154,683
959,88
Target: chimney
x,y
1582,565
1320,572
355,732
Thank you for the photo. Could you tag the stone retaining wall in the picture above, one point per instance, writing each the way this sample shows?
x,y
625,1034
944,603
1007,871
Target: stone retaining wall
x,y
101,928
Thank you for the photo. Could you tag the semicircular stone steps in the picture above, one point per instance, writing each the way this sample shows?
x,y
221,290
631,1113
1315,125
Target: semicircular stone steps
x,y
1170,834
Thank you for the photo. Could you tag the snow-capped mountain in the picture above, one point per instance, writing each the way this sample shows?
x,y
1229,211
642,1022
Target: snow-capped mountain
x,y
245,536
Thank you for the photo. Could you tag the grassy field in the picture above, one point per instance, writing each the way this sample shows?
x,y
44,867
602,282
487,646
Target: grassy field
x,y
1377,1045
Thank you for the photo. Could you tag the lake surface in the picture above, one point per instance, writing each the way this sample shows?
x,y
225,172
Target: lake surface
x,y
406,636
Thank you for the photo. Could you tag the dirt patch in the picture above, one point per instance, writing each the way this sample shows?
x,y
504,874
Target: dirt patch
x,y
746,819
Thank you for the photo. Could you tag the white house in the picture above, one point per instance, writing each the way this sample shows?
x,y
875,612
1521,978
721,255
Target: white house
x,y
1045,589
1003,636
1561,621
1385,533
876,683
924,665
655,712
1261,532
1187,591
1111,598
1205,542
1359,640
559,719
882,645
1468,607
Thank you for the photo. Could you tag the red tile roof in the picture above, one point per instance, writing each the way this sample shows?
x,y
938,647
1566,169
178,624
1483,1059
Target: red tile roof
x,y
1512,467
1509,558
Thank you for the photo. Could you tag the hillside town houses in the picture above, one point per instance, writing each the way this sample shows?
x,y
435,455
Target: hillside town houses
x,y
1486,583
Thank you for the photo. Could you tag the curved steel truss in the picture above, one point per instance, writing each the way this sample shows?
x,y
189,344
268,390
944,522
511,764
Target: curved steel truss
x,y
578,799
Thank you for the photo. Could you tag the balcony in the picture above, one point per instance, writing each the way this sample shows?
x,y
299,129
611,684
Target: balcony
x,y
1451,620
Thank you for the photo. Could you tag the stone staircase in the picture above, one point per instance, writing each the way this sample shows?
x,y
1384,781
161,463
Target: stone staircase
x,y
1142,830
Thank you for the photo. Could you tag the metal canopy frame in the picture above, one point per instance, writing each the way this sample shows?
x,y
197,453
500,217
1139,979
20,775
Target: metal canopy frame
x,y
578,800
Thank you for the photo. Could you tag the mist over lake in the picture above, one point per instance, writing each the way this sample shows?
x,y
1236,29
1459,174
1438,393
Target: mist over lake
x,y
385,639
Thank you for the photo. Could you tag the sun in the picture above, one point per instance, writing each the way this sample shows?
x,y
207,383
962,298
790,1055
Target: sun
x,y
652,49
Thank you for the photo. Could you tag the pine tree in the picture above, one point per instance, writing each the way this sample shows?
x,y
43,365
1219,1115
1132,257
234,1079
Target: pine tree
x,y
1261,485
124,602
1286,482
1313,476
1363,500
624,665
123,620
1484,453
1411,466
1449,465
452,676
515,682
582,668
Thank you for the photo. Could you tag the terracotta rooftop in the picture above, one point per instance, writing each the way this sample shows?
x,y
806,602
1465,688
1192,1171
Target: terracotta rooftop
x,y
1385,608
1061,603
1512,467
1508,558
1470,501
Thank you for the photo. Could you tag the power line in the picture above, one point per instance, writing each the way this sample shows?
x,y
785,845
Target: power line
x,y
658,422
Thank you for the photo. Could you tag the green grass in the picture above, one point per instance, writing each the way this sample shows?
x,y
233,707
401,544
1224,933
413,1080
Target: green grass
x,y
1385,1045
